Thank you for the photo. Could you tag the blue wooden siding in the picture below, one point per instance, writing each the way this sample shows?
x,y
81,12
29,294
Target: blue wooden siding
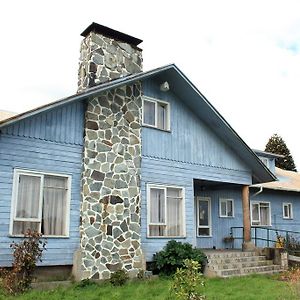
x,y
61,125
47,143
191,150
190,139
277,198
220,225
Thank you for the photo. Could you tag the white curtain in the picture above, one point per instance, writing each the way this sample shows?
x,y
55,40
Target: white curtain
x,y
157,211
27,205
174,212
264,214
161,116
149,112
54,205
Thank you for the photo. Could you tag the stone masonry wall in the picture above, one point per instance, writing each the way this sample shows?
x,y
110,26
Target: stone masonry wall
x,y
110,209
103,59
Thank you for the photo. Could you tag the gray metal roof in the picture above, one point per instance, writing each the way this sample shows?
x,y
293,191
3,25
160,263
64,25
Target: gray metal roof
x,y
185,90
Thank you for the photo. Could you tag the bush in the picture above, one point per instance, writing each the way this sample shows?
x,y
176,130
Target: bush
x,y
119,278
25,256
187,282
173,255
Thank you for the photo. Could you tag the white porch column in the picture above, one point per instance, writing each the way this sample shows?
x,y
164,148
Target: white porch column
x,y
247,243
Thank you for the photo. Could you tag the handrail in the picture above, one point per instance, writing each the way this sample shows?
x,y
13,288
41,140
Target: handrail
x,y
287,235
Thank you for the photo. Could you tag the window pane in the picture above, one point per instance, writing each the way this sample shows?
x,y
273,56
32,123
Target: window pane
x,y
157,230
19,227
223,208
203,231
174,213
264,215
28,197
229,208
157,206
203,213
149,112
55,205
255,213
286,212
161,116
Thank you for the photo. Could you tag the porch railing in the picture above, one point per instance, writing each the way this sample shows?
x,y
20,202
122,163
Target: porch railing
x,y
266,237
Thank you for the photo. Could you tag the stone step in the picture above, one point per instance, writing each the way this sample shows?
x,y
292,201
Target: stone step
x,y
242,265
249,270
223,255
230,260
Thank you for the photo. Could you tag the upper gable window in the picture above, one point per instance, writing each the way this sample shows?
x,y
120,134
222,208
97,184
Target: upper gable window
x,y
287,209
156,113
265,161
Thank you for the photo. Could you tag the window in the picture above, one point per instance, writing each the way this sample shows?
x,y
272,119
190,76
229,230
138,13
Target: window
x,y
287,210
40,202
156,113
226,208
265,161
261,213
165,211
203,216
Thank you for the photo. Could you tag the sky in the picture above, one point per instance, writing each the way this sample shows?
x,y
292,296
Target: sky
x,y
244,56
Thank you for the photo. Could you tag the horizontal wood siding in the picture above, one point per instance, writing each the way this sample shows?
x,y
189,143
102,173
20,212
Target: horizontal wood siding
x,y
159,171
190,139
277,198
30,146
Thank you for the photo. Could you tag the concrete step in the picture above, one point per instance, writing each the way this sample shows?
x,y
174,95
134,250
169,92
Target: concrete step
x,y
242,265
231,260
268,269
228,254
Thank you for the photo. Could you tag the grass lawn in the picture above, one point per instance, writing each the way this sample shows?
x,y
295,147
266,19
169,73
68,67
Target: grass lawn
x,y
245,288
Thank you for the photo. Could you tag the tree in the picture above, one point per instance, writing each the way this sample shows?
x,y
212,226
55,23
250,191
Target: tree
x,y
277,145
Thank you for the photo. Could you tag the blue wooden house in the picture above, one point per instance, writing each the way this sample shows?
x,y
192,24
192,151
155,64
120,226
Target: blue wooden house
x,y
132,160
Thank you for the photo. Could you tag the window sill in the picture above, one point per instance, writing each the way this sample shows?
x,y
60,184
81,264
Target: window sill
x,y
204,236
227,217
287,218
152,127
43,236
166,237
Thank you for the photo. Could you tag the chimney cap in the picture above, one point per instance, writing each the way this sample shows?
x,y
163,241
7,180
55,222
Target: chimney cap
x,y
108,32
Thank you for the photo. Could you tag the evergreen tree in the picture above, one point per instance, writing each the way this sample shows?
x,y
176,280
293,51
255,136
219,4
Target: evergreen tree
x,y
277,145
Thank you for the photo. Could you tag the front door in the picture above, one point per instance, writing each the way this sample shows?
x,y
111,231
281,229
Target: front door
x,y
203,215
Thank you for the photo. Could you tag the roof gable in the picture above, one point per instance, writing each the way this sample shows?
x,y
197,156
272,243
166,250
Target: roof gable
x,y
184,89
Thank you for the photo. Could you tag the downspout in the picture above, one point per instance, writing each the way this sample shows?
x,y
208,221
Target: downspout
x,y
259,192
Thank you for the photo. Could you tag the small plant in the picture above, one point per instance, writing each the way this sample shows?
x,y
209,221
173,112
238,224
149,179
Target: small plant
x,y
26,254
85,283
187,282
292,276
173,255
141,274
228,239
119,278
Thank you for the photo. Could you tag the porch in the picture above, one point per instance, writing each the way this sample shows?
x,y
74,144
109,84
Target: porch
x,y
219,207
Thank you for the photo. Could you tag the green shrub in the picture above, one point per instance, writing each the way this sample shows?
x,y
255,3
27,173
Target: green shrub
x,y
187,282
25,256
119,278
173,255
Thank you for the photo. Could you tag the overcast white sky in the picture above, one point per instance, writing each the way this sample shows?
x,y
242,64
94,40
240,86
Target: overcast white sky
x,y
244,56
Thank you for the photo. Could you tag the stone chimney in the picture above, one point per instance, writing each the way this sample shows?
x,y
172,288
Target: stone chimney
x,y
110,233
107,54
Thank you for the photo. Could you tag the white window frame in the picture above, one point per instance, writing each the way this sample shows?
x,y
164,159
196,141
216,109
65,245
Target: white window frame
x,y
226,200
291,210
156,101
265,161
259,219
17,173
165,187
208,199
